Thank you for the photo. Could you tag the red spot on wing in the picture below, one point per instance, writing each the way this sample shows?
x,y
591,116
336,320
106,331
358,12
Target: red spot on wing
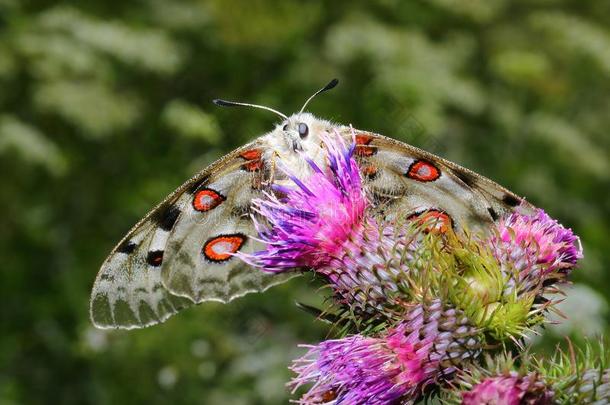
x,y
433,220
369,171
252,154
253,160
363,149
207,199
221,248
422,170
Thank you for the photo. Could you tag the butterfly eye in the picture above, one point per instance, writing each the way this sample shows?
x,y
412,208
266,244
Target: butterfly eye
x,y
303,130
285,128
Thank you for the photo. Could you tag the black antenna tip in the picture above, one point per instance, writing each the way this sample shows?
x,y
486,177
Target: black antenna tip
x,y
332,84
222,103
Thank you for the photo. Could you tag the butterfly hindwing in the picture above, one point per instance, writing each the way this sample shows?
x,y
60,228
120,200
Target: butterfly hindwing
x,y
128,292
409,182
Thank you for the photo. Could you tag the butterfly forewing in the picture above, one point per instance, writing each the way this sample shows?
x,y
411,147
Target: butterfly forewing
x,y
200,262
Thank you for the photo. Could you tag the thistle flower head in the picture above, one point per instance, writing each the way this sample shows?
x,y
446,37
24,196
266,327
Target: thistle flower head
x,y
322,223
310,223
359,369
398,364
538,239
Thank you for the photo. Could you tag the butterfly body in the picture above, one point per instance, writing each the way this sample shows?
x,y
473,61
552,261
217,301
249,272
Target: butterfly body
x,y
181,253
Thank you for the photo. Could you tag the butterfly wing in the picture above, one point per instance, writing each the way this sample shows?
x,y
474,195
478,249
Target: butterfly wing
x,y
216,223
148,276
128,292
407,181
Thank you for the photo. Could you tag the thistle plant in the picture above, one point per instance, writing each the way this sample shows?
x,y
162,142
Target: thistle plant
x,y
361,369
414,303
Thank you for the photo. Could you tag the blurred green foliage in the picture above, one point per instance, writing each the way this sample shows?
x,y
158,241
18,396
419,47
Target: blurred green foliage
x,y
105,108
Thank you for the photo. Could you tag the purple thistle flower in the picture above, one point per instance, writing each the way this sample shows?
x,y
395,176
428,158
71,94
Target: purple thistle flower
x,y
542,239
309,225
358,369
509,390
536,247
399,364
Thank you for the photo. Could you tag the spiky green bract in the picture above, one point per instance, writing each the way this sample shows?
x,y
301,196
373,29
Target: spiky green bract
x,y
579,376
369,271
480,287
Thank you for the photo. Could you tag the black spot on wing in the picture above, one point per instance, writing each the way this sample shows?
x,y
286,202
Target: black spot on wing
x,y
494,215
511,200
466,178
127,247
166,217
154,258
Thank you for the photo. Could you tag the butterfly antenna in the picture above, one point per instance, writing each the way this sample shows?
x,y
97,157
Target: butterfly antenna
x,y
330,85
225,103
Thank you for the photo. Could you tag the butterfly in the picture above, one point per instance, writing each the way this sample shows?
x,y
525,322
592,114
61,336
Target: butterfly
x,y
182,252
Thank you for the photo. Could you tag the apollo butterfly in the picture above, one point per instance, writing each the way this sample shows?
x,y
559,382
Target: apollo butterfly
x,y
182,252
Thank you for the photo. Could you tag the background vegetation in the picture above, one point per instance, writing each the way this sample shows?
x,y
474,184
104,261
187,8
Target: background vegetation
x,y
105,108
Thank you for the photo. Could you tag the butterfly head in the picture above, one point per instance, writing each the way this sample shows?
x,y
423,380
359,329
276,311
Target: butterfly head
x,y
301,132
299,138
